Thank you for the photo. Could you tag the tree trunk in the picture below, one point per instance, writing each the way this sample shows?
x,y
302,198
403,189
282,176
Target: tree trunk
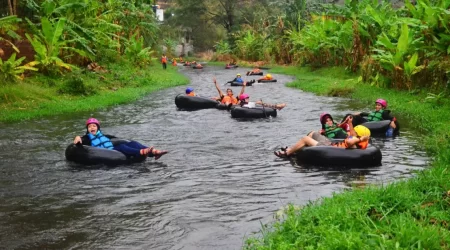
x,y
15,7
10,8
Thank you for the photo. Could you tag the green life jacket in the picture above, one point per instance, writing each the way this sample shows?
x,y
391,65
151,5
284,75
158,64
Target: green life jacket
x,y
334,131
375,116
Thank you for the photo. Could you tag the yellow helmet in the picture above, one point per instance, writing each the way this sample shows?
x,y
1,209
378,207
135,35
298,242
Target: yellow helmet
x,y
362,131
238,75
269,75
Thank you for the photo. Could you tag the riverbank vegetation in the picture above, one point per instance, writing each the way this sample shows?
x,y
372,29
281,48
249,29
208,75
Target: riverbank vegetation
x,y
402,48
403,215
83,91
64,56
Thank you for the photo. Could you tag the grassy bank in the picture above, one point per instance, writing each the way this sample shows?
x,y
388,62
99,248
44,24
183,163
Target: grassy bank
x,y
411,214
39,96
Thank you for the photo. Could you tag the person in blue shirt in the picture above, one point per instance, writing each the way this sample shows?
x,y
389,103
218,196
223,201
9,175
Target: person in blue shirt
x,y
238,79
95,138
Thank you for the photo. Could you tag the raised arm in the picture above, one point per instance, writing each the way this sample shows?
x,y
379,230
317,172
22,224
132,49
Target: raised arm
x,y
218,89
354,140
243,88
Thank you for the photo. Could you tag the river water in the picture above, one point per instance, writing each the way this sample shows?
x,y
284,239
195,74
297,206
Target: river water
x,y
219,182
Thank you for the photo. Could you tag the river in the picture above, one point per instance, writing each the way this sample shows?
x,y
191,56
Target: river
x,y
216,186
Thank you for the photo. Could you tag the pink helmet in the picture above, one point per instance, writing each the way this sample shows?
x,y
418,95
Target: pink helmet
x,y
92,120
382,102
243,97
323,116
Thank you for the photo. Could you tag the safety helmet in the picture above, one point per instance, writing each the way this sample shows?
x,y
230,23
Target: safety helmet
x,y
93,120
382,102
324,116
243,97
269,75
362,131
238,75
189,90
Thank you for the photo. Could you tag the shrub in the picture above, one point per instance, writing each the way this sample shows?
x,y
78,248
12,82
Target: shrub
x,y
74,86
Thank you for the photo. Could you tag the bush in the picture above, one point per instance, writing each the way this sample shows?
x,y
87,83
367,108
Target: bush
x,y
74,86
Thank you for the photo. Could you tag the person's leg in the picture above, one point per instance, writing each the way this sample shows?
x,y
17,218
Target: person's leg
x,y
149,151
127,150
137,145
305,141
323,140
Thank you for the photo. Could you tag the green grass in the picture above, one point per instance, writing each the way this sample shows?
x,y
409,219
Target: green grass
x,y
40,96
408,214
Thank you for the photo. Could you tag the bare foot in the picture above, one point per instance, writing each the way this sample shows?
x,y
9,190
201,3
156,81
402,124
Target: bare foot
x,y
281,106
159,153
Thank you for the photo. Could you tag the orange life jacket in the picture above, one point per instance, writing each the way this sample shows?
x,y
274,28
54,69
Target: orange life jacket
x,y
164,59
230,99
344,144
191,94
174,63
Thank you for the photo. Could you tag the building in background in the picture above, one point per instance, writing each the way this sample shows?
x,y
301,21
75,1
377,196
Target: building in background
x,y
158,12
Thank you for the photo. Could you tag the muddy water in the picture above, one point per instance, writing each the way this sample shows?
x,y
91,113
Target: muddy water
x,y
217,184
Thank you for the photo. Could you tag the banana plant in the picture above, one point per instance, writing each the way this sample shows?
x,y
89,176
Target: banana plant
x,y
137,52
433,21
12,69
411,69
8,25
48,43
223,48
392,57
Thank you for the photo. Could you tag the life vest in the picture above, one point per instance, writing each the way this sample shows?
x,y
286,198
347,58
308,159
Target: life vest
x,y
238,79
164,59
191,94
334,131
174,63
344,144
100,141
375,116
230,99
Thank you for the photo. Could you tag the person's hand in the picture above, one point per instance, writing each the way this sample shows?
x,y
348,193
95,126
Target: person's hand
x,y
349,119
245,83
214,80
77,140
364,138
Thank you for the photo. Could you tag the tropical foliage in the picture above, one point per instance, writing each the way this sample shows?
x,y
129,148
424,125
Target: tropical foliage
x,y
403,48
69,33
11,69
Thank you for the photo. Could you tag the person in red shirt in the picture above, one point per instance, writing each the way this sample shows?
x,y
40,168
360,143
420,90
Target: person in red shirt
x,y
164,61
